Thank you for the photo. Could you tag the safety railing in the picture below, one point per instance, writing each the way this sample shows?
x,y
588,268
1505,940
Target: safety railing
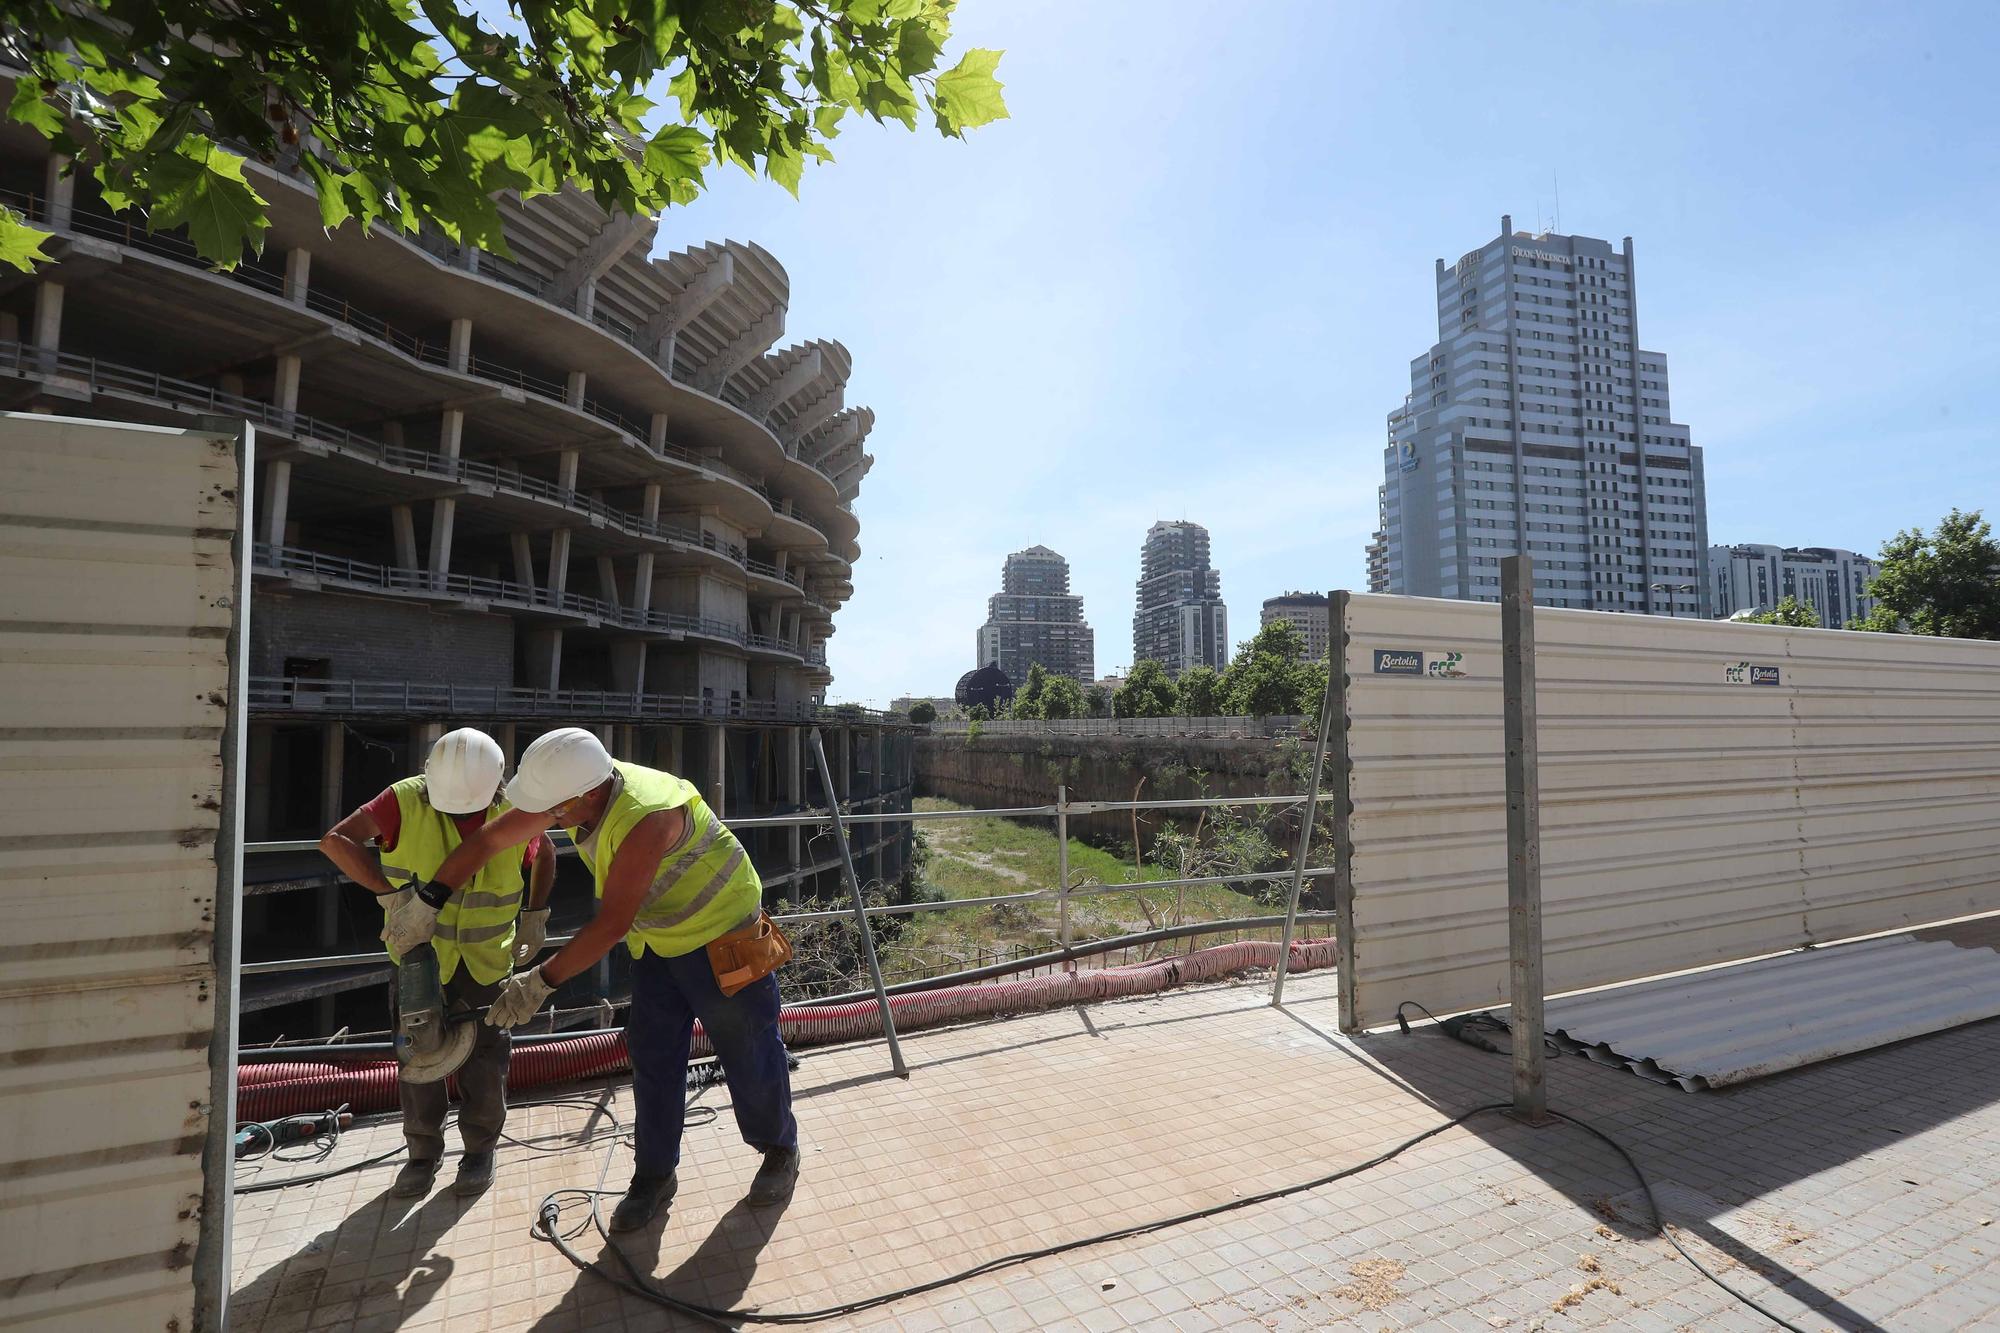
x,y
130,231
293,560
410,698
101,377
1067,890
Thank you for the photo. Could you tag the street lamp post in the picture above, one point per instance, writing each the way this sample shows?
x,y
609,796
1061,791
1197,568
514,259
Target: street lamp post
x,y
1672,590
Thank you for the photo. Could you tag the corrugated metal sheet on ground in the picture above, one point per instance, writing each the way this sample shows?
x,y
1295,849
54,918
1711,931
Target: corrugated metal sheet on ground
x,y
114,695
1730,1024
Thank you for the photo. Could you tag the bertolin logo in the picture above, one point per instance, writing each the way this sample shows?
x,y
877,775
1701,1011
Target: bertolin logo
x,y
1398,662
1750,673
1449,667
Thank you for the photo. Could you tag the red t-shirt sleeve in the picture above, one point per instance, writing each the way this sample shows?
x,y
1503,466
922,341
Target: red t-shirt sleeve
x,y
388,817
533,849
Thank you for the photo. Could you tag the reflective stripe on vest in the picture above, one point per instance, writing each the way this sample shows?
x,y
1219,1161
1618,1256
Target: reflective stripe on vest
x,y
703,891
476,923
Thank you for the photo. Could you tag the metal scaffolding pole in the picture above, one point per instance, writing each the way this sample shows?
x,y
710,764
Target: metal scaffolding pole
x,y
1335,663
860,908
1524,836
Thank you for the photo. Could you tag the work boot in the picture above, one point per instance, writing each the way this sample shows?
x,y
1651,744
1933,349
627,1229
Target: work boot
x,y
645,1196
475,1173
415,1178
775,1178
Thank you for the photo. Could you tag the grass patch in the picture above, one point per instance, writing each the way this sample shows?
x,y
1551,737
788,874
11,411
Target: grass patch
x,y
987,856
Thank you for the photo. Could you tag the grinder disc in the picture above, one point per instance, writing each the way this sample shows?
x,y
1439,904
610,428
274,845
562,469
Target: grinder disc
x,y
442,1063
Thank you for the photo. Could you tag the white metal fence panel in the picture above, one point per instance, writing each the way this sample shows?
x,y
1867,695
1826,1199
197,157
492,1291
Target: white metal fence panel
x,y
117,858
1709,791
1221,727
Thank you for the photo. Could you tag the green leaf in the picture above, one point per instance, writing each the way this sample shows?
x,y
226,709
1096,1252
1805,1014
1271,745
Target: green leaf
x,y
677,152
917,47
202,188
30,108
968,95
889,98
21,243
333,209
785,166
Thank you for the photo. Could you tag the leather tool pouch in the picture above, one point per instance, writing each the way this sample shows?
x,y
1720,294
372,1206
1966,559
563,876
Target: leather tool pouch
x,y
744,955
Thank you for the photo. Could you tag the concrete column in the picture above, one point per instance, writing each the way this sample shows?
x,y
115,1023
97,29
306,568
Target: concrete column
x,y
59,184
586,299
285,387
458,350
656,436
404,524
676,756
544,659
607,581
422,737
48,318
277,499
880,831
524,559
444,510
298,275
558,580
843,765
627,747
508,734
794,777
714,783
10,326
575,391
567,463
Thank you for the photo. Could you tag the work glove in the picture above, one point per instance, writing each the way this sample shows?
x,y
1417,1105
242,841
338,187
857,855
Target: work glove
x,y
530,936
521,995
413,919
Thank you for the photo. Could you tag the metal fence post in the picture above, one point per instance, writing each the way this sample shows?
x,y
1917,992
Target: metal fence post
x,y
860,908
1524,836
1334,665
1062,863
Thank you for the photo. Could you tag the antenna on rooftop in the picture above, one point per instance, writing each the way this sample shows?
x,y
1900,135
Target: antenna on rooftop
x,y
1559,200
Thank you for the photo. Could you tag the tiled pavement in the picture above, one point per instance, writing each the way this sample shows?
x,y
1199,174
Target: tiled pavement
x,y
1856,1194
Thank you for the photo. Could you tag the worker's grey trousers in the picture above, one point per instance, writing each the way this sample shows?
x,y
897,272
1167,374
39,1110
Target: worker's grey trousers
x,y
482,1082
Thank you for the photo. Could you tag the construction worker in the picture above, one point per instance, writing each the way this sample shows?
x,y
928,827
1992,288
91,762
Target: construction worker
x,y
677,887
479,934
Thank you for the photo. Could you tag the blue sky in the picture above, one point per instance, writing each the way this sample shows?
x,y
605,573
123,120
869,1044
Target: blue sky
x,y
1185,280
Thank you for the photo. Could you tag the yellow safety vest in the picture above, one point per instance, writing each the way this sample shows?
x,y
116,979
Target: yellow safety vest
x,y
702,890
477,922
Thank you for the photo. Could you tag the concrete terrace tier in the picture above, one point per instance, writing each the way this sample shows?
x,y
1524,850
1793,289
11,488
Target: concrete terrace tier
x,y
1854,1194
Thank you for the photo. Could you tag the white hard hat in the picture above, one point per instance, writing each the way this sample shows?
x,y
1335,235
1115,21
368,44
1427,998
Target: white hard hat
x,y
558,767
463,771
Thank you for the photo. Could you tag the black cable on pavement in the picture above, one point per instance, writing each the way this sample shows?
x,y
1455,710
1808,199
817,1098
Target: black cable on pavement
x,y
548,1218
550,1213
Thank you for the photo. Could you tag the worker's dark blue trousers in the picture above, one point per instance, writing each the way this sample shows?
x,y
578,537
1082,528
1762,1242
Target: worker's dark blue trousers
x,y
668,995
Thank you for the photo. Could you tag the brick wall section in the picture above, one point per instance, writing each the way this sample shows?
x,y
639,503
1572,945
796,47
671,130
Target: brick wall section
x,y
379,638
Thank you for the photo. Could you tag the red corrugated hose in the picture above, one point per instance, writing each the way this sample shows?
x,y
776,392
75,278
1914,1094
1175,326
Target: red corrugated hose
x,y
271,1090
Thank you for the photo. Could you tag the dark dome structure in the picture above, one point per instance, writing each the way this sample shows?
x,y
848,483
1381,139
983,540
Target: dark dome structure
x,y
987,685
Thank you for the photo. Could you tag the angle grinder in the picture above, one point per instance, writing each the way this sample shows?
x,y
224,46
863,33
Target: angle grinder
x,y
430,1045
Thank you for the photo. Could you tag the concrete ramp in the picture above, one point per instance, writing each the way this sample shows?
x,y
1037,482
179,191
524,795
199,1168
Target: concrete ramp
x,y
1729,1024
